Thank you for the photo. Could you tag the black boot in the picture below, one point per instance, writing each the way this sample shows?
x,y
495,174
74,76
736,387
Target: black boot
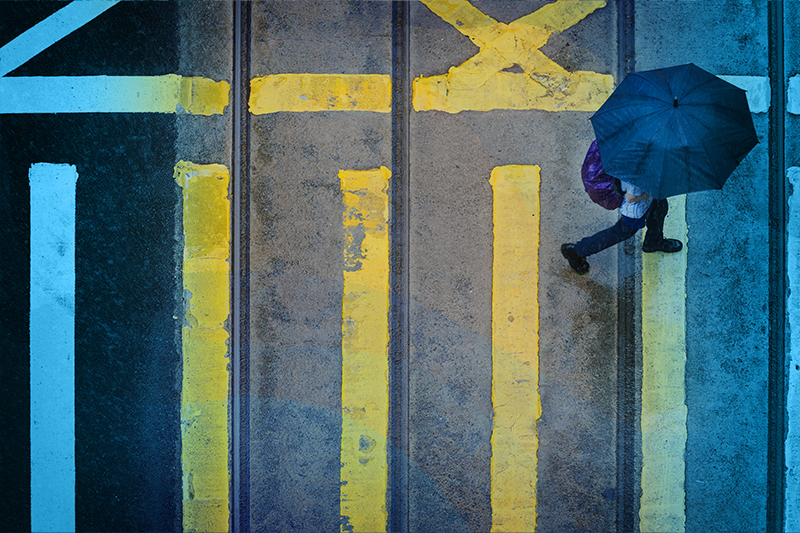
x,y
669,246
578,263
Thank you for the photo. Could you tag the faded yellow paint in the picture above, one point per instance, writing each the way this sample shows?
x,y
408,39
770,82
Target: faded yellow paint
x,y
365,350
515,347
204,392
481,84
202,96
663,500
321,92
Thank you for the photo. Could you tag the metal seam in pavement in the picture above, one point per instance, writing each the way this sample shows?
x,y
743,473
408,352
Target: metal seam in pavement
x,y
776,432
627,340
240,285
400,218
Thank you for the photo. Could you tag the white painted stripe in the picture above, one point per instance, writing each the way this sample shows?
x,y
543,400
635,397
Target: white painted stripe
x,y
52,346
758,91
169,93
793,95
49,31
792,449
90,94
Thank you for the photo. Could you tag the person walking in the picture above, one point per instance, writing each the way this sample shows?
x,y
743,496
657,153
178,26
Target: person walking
x,y
664,132
638,209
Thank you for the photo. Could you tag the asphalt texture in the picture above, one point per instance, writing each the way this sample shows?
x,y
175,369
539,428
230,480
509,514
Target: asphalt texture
x,y
727,282
296,251
127,402
451,292
128,292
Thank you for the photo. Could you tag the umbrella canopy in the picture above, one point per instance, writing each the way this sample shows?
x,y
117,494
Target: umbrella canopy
x,y
674,130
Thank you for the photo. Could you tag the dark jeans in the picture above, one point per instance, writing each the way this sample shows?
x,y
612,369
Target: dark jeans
x,y
653,219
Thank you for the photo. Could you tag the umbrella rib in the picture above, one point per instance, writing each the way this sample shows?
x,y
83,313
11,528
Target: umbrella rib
x,y
658,87
681,83
719,116
695,88
705,149
609,109
666,152
708,155
632,136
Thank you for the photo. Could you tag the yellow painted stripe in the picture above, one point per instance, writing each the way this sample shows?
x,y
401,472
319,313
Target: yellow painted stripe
x,y
365,345
204,395
321,92
561,15
663,501
515,347
203,96
482,84
467,19
508,90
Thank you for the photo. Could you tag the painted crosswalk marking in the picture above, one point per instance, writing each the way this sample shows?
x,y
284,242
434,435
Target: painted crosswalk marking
x,y
482,84
204,393
169,93
792,445
757,90
49,31
321,92
793,96
113,94
664,411
515,347
365,350
52,346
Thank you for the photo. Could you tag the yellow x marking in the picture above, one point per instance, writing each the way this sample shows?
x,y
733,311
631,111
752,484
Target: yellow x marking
x,y
481,84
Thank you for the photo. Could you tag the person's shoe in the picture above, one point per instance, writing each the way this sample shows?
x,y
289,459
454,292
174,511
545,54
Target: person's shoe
x,y
578,263
669,246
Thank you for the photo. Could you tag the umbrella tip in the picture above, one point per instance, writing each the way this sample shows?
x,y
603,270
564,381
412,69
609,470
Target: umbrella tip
x,y
674,101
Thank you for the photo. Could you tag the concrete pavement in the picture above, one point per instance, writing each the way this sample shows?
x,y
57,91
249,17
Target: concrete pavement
x,y
511,394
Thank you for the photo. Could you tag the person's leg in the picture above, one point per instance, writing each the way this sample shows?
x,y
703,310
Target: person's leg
x,y
654,240
654,219
604,239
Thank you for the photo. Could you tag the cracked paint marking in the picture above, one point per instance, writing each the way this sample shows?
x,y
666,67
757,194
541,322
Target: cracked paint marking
x,y
204,393
481,84
515,347
321,92
663,422
365,345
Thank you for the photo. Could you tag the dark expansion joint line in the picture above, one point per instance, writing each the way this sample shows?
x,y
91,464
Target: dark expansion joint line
x,y
240,282
397,498
777,388
628,313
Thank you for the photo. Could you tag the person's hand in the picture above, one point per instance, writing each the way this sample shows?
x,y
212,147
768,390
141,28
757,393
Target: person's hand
x,y
631,199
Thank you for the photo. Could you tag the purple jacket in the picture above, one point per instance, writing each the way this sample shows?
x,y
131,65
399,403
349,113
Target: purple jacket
x,y
598,184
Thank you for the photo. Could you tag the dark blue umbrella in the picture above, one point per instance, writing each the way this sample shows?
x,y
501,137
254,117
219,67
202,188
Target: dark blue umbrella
x,y
674,130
